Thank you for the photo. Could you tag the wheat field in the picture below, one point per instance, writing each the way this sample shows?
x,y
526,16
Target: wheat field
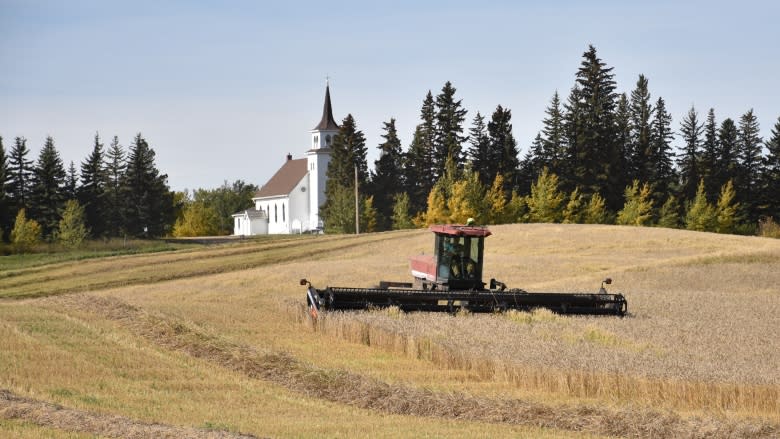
x,y
214,342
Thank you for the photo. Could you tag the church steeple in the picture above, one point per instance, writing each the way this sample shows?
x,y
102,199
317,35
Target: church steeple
x,y
322,135
327,123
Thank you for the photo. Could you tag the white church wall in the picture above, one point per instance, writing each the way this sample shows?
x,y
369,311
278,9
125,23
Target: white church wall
x,y
299,206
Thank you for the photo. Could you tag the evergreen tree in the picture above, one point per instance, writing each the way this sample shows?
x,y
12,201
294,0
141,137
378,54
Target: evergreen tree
x,y
726,210
638,209
387,179
5,201
148,202
690,161
623,143
770,176
749,165
349,155
401,218
479,151
92,191
726,162
448,139
115,166
669,215
19,175
72,231
710,156
531,166
417,174
339,211
572,122
503,148
663,174
700,215
596,159
554,150
48,196
71,182
544,203
641,116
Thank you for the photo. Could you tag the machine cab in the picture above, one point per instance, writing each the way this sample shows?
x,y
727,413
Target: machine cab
x,y
457,258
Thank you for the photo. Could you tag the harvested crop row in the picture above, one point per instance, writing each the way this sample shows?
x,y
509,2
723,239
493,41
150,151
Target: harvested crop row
x,y
55,416
360,391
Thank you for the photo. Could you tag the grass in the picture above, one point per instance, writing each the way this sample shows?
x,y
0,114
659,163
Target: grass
x,y
698,351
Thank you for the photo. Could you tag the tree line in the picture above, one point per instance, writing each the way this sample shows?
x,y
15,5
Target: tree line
x,y
613,158
118,192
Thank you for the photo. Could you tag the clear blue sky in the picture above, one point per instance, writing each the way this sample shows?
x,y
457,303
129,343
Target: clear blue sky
x,y
224,90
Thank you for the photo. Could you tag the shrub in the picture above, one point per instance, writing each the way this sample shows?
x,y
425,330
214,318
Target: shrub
x,y
25,234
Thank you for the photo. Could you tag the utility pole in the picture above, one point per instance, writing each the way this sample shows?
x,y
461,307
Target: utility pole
x,y
357,210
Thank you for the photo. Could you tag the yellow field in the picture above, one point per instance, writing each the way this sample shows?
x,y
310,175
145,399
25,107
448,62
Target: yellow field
x,y
214,342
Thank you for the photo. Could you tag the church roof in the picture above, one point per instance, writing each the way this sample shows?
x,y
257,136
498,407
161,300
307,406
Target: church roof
x,y
327,122
285,179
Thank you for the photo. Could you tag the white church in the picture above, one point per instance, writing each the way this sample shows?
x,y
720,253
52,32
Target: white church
x,y
290,201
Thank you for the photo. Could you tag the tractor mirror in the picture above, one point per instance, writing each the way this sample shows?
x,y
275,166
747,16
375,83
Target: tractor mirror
x,y
607,281
304,281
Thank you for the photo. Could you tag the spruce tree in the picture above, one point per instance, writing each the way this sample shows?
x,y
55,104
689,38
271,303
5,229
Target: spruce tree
x,y
387,179
417,173
641,116
710,156
148,202
427,144
530,166
115,166
479,150
726,167
770,176
572,121
92,191
554,136
71,182
690,161
503,148
47,197
623,143
349,155
596,157
19,175
448,139
663,174
749,160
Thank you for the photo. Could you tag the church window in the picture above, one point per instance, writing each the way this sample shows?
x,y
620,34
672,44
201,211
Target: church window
x,y
316,140
276,210
327,140
283,219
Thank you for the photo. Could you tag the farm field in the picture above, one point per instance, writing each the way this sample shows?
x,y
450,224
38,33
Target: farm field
x,y
214,342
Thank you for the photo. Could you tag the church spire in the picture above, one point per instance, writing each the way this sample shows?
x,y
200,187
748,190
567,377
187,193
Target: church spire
x,y
327,122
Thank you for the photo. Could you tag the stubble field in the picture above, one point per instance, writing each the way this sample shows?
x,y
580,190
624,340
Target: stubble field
x,y
214,342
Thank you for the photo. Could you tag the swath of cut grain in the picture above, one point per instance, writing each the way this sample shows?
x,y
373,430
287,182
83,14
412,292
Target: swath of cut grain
x,y
360,391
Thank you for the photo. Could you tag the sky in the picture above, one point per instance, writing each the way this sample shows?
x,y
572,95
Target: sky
x,y
224,90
